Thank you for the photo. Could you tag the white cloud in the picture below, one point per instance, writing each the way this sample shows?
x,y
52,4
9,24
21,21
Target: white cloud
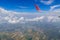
x,y
6,18
3,10
45,18
56,19
57,10
14,20
50,18
35,19
47,2
10,16
53,7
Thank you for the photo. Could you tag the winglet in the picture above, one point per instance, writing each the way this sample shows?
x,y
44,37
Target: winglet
x,y
37,8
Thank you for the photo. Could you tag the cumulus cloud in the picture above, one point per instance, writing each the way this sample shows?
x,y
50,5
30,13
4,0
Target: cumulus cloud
x,y
47,2
10,16
14,20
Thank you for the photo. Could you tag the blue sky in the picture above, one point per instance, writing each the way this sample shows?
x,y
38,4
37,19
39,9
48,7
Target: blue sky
x,y
28,5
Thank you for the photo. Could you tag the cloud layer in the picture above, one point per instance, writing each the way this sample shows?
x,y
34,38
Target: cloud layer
x,y
16,17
